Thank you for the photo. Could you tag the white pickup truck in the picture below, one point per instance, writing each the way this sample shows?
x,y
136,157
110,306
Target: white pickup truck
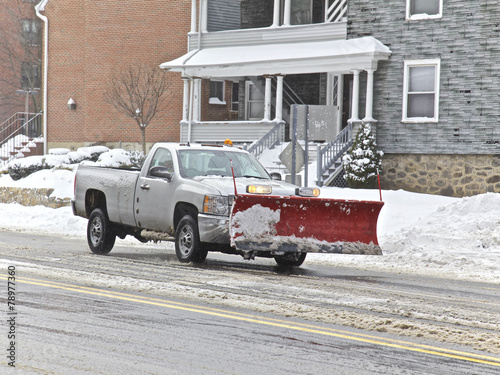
x,y
184,193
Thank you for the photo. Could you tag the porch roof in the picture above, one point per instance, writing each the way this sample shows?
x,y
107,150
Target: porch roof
x,y
340,56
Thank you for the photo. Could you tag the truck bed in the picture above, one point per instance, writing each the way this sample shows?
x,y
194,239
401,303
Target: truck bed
x,y
117,184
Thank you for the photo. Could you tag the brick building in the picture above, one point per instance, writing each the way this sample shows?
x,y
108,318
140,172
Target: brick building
x,y
20,54
87,42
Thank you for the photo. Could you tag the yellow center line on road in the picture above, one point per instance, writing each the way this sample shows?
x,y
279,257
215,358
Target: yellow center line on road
x,y
398,344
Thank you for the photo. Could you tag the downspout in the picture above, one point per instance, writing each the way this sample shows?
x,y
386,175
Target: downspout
x,y
38,8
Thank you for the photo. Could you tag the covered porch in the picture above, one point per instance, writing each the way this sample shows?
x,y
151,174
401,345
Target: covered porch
x,y
272,62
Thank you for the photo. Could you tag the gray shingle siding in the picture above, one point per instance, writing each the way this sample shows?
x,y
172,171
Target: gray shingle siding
x,y
467,40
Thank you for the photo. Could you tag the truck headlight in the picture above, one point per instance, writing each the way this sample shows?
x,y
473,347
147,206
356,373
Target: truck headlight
x,y
216,205
307,192
259,189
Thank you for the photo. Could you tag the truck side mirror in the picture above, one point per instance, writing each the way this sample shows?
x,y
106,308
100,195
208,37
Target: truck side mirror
x,y
161,172
276,176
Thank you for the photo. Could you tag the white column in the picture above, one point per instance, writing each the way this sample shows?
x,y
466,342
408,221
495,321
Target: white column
x,y
369,96
267,100
355,98
204,16
276,13
197,100
193,16
191,100
185,100
279,98
286,18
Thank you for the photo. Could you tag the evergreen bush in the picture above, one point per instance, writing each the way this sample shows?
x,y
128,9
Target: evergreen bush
x,y
362,160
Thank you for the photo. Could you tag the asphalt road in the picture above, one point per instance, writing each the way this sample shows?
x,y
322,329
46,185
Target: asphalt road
x,y
139,311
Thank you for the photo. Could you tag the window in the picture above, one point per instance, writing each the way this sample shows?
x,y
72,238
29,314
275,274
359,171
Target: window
x,y
217,92
235,97
300,12
162,158
424,9
30,75
421,90
254,102
30,31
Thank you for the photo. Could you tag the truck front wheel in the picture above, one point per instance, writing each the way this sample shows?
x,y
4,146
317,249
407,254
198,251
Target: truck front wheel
x,y
290,260
100,235
188,247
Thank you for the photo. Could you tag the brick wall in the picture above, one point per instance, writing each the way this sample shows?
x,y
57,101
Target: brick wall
x,y
215,112
88,41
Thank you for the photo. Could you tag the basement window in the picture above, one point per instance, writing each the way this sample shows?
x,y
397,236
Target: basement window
x,y
424,9
421,90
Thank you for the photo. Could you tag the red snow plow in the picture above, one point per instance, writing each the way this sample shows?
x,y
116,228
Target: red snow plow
x,y
292,224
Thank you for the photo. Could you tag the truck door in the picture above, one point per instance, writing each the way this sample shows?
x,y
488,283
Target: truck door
x,y
153,203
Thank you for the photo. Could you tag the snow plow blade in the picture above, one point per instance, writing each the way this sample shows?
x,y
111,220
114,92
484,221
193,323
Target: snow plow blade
x,y
298,224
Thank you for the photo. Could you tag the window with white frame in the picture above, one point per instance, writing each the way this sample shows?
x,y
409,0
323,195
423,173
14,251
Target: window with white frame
x,y
217,92
421,90
423,9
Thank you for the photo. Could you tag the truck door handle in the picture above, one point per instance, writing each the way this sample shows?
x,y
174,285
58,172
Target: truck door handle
x,y
144,187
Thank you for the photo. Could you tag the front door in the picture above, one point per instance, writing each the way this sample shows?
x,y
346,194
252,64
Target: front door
x,y
153,204
254,106
347,99
334,96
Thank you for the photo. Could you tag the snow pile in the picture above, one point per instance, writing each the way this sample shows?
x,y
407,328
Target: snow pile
x,y
43,220
255,222
61,180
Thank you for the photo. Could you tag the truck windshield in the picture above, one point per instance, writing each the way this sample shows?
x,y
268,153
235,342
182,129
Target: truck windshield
x,y
218,163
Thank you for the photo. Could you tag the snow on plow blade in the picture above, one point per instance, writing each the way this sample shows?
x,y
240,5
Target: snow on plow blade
x,y
299,224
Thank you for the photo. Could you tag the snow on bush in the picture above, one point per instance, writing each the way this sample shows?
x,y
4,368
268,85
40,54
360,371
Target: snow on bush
x,y
362,160
119,158
57,159
58,151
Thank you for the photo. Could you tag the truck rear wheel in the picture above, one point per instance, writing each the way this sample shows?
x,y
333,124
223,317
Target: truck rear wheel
x,y
100,235
188,247
291,260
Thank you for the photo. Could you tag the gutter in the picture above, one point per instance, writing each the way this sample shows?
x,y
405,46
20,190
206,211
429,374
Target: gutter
x,y
40,8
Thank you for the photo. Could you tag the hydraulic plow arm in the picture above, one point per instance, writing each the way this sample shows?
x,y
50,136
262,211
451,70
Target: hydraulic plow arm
x,y
298,224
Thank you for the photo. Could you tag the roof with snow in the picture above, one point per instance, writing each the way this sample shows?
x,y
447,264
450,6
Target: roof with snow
x,y
340,56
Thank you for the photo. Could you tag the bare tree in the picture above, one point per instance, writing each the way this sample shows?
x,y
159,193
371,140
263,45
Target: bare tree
x,y
139,92
20,54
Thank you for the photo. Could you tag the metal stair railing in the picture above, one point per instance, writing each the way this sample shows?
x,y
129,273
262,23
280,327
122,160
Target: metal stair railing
x,y
13,142
332,153
12,119
272,138
11,124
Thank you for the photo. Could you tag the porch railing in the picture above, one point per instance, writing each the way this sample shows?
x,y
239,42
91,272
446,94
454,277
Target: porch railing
x,y
15,133
274,137
335,10
330,156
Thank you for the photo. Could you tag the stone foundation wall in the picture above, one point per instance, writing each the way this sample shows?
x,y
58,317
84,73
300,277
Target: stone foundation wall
x,y
449,175
31,197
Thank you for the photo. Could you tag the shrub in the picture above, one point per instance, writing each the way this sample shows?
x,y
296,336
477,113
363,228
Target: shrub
x,y
21,168
362,160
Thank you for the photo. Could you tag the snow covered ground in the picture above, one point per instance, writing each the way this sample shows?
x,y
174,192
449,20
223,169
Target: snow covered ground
x,y
419,233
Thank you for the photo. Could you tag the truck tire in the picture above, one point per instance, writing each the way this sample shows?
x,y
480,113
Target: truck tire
x,y
188,247
290,260
100,235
